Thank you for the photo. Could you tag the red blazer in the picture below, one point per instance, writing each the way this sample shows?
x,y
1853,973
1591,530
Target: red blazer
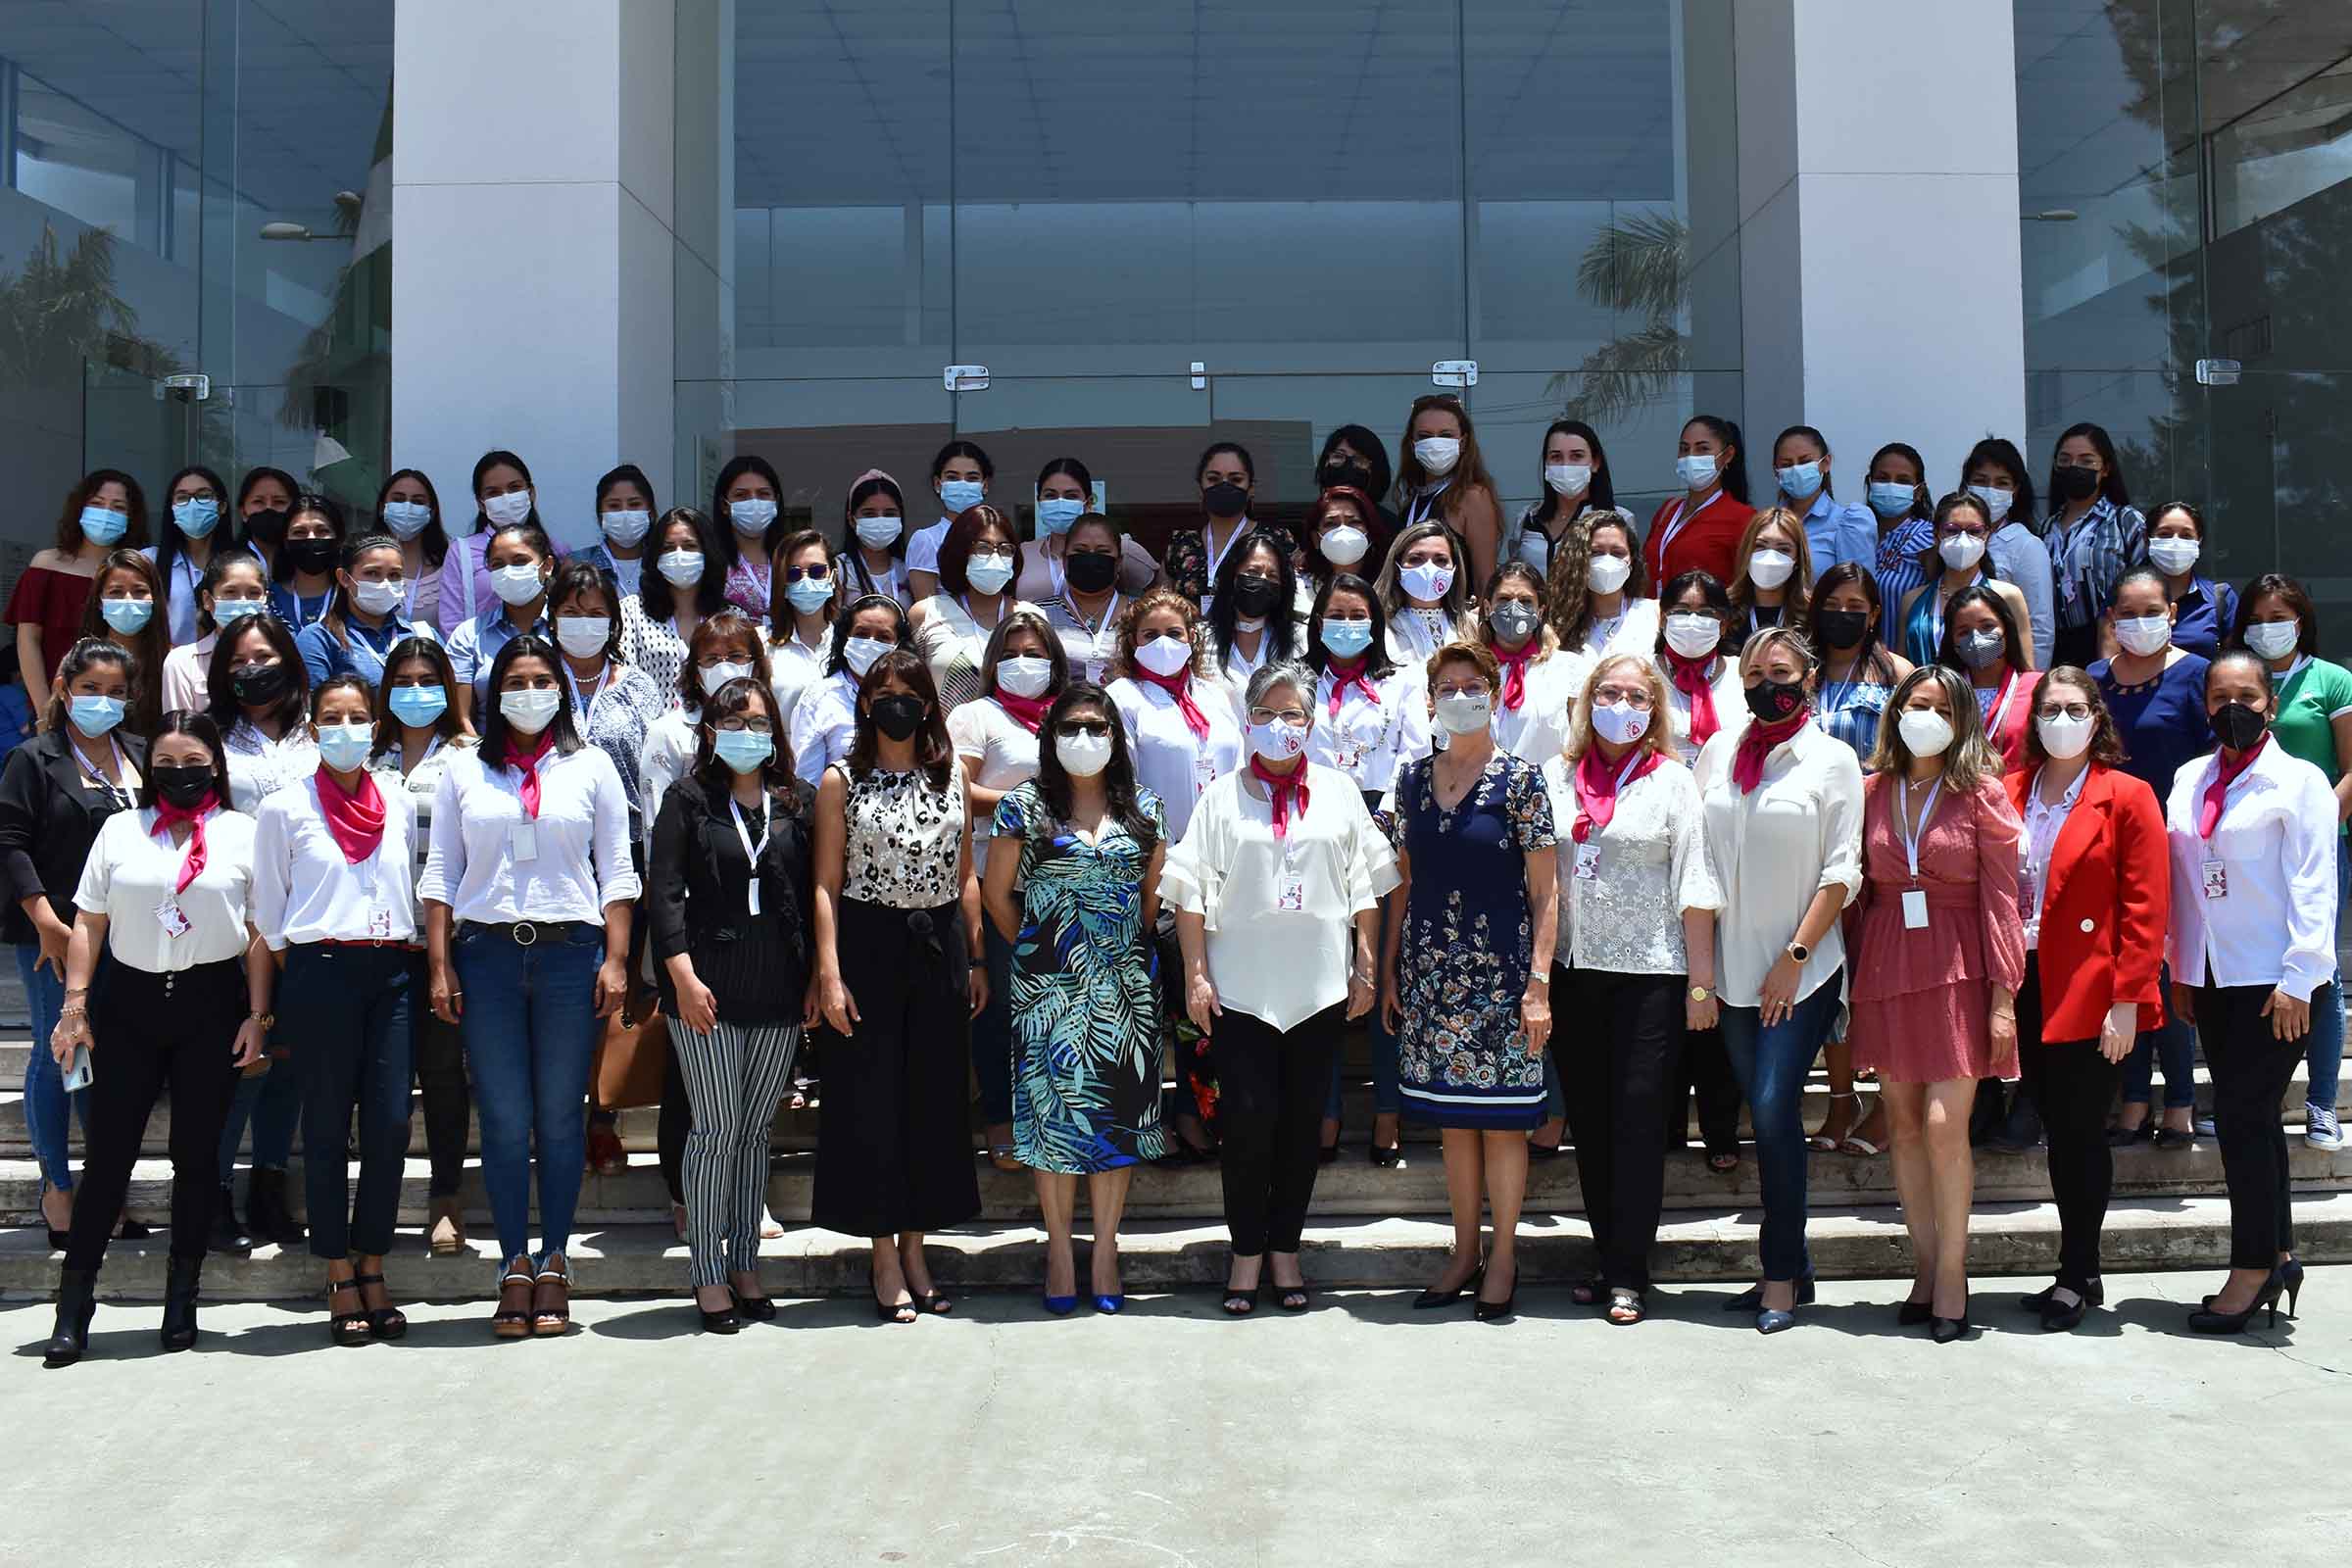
x,y
1706,543
2106,908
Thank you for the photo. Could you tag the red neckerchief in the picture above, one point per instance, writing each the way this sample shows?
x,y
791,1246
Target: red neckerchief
x,y
527,762
1757,742
355,820
1280,788
168,816
2209,809
1180,687
1690,679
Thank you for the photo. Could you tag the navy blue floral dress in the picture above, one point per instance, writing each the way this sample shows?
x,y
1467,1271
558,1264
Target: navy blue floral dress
x,y
1468,944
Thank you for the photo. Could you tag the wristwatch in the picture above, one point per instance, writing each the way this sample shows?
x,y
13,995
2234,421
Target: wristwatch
x,y
1700,993
1799,951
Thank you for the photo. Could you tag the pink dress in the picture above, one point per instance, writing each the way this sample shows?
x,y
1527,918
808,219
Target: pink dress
x,y
1922,998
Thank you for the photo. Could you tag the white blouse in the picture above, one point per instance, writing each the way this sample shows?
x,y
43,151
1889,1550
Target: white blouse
x,y
131,872
305,890
1626,916
1170,761
1367,740
822,728
1282,965
419,783
1415,634
1005,751
2263,914
793,666
2043,823
259,766
669,753
1771,851
1538,729
1731,706
581,840
952,642
1635,630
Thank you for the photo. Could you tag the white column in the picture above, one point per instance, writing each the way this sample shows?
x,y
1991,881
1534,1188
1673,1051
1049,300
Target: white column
x,y
532,277
1881,286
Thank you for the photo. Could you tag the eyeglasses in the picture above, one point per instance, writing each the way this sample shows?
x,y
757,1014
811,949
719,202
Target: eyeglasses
x,y
1278,715
736,721
816,573
1468,688
2073,710
1075,727
1631,696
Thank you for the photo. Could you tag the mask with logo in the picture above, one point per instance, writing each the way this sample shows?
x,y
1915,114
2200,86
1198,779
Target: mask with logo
x,y
1514,622
1426,581
1620,724
1465,712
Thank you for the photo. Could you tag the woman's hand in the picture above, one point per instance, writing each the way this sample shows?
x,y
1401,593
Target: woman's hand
x,y
2119,1031
976,981
1200,1002
697,1009
1392,1008
448,1000
1361,992
2002,1026
2185,1003
839,1007
2289,1019
252,1040
1700,1014
611,987
1534,1016
813,1005
55,934
1780,990
72,1032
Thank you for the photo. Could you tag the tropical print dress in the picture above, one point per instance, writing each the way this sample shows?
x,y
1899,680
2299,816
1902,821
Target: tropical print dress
x,y
1468,944
1085,1001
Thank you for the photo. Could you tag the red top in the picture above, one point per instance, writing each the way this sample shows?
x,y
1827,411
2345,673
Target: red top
x,y
2107,898
1705,542
2005,726
55,602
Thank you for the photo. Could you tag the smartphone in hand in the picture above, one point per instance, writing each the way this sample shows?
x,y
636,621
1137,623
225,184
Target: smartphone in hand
x,y
77,1071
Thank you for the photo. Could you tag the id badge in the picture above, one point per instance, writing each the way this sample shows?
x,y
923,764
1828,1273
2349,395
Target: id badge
x,y
527,841
1347,759
1915,908
1588,862
750,894
1095,669
380,925
172,918
1205,774
1290,892
2029,898
2217,880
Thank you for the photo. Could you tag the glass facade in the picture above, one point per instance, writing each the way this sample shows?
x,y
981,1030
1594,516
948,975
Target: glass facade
x,y
2186,169
1257,219
192,187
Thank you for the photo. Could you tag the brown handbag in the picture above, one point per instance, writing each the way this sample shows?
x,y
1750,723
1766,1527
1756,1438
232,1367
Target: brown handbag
x,y
632,1060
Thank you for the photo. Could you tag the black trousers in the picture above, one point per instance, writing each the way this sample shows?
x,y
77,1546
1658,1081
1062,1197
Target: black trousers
x,y
2251,1069
1626,1048
349,1006
1271,1088
2073,1085
438,1051
153,1031
1704,1071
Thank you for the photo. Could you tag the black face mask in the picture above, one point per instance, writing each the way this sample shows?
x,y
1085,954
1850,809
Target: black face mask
x,y
1842,628
2075,483
1255,596
2236,726
899,715
270,526
182,787
1772,700
313,555
1090,570
1355,475
256,684
1225,500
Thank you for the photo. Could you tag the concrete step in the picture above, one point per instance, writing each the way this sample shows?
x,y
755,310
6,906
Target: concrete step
x,y
1156,1255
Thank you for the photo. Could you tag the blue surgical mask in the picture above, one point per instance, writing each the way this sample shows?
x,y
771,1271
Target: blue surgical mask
x,y
1055,513
1697,471
126,615
197,515
96,716
103,525
344,747
743,749
227,611
751,516
418,706
1801,479
957,494
810,593
407,518
1890,500
1346,638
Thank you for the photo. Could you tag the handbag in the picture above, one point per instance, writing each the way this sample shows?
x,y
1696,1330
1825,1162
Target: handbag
x,y
632,1060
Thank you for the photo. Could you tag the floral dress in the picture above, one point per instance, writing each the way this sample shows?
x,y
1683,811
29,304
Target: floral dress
x,y
1186,559
1085,1001
1468,944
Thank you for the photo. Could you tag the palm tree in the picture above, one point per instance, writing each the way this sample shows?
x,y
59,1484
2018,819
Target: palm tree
x,y
60,311
1637,266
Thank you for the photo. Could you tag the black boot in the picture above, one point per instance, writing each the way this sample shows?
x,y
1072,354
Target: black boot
x,y
228,1236
75,1302
179,1302
2020,1130
265,1210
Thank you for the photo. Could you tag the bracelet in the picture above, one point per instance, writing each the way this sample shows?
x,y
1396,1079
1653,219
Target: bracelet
x,y
79,991
72,1013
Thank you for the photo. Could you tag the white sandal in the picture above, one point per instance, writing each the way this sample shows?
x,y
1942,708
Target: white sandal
x,y
1822,1143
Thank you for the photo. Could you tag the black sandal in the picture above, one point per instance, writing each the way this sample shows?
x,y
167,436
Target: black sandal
x,y
1293,1297
384,1322
1589,1289
513,1323
934,1303
346,1328
1242,1303
893,1312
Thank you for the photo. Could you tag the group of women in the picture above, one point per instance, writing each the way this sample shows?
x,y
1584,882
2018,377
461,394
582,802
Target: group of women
x,y
1036,814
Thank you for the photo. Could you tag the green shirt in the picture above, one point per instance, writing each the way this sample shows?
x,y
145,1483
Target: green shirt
x,y
2308,702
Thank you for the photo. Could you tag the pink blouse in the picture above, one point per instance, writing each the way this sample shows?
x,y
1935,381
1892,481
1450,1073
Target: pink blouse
x,y
1968,857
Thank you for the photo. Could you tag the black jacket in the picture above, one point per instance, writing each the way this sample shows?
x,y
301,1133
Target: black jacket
x,y
697,884
48,821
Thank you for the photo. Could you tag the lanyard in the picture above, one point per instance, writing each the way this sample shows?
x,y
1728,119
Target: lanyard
x,y
117,795
1216,556
468,563
752,851
1424,505
1095,629
1675,523
585,701
1911,835
1992,726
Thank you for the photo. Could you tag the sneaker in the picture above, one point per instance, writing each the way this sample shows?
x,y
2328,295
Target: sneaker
x,y
2319,1130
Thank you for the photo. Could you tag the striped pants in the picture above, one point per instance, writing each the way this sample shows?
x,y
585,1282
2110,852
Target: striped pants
x,y
734,1076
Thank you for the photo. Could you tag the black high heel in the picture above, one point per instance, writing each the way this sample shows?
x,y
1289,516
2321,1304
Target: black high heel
x,y
76,1300
726,1320
384,1322
1431,1300
1486,1312
181,1278
1944,1330
2291,1275
2208,1321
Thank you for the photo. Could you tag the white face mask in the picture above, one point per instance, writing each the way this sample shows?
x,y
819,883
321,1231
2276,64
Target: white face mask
x,y
860,653
1024,675
750,517
1697,471
1277,742
583,636
1769,568
1426,581
1463,714
512,507
1083,756
1344,545
2143,634
1620,724
713,676
626,529
407,518
2173,555
1694,635
1926,734
989,573
380,597
879,533
1996,502
1164,656
2274,638
1960,551
529,711
1568,478
2066,738
682,568
1605,575
518,584
1437,454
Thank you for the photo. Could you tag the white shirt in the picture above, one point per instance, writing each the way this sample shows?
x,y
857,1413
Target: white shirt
x,y
629,575
1170,761
305,890
1771,851
421,783
187,672
922,545
582,834
668,756
1415,634
1007,754
2043,824
1538,729
1731,706
1367,740
793,666
851,572
823,725
2276,845
1627,917
259,766
131,871
1280,966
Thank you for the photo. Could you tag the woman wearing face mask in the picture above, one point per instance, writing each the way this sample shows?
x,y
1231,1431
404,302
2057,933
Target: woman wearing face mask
x,y
1086,614
2094,534
745,498
1251,619
1466,974
1179,722
614,705
960,475
56,792
331,899
1836,532
1283,861
1577,491
1194,562
105,510
2202,609
1356,459
264,506
800,617
1539,682
730,892
1962,524
1423,595
260,698
1441,479
2094,891
624,517
522,561
900,976
416,738
1636,958
366,614
1346,532
824,722
1698,530
1076,872
183,550
125,609
164,896
2254,841
235,585
1703,698
1784,816
527,893
1771,569
874,529
978,563
2312,720
1995,475
504,497
1907,519
1939,958
408,509
688,582
997,744
303,576
1596,589
1985,644
1065,492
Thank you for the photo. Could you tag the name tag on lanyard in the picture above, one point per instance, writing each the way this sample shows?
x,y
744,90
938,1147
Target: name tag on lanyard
x,y
1915,898
751,851
2217,879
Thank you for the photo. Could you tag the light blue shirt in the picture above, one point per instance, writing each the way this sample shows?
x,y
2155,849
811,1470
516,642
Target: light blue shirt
x,y
2020,556
1839,532
363,656
474,645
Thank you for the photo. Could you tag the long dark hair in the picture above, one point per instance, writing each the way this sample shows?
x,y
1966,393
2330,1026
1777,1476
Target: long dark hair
x,y
1378,665
147,645
1995,452
2278,585
1726,432
577,575
1810,434
2016,653
215,570
736,697
1375,453
433,540
1602,493
934,753
171,544
654,591
69,538
310,502
1122,803
1921,506
834,663
734,469
196,726
86,652
405,651
220,698
865,490
1869,654
483,464
625,473
2111,477
1224,616
495,739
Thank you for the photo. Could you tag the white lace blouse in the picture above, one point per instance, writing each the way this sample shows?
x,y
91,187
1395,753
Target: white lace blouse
x,y
1627,917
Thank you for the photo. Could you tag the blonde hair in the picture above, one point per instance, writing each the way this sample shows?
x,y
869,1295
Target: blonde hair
x,y
1968,762
1794,608
1657,739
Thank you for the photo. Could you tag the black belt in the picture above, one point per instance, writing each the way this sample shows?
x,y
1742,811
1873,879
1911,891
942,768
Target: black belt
x,y
526,933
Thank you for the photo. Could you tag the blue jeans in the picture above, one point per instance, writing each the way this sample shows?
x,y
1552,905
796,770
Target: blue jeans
x,y
2175,1045
992,1031
2328,1006
1385,1099
1772,1065
45,1093
273,1103
531,1029
350,1009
